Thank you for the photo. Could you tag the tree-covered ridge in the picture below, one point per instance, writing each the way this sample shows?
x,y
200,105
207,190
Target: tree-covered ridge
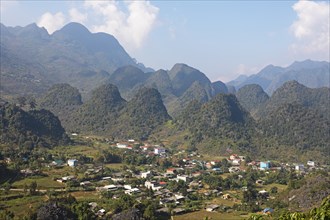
x,y
107,113
61,95
143,114
100,112
217,124
294,92
128,77
178,86
218,120
298,126
32,128
252,97
62,100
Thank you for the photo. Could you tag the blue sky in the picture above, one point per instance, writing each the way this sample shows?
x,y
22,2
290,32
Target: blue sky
x,y
221,38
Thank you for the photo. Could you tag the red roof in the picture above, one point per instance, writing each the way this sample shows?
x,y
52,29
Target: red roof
x,y
171,169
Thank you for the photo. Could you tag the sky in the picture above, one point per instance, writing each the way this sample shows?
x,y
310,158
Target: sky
x,y
223,39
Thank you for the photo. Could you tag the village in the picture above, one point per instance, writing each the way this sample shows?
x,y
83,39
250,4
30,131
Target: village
x,y
179,181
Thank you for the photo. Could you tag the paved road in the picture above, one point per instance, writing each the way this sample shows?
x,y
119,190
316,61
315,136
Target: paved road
x,y
40,190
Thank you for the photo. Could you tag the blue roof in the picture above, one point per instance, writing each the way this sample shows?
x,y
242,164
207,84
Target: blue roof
x,y
268,210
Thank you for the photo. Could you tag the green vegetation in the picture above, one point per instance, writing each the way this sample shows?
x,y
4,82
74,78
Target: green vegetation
x,y
299,127
30,129
252,97
212,123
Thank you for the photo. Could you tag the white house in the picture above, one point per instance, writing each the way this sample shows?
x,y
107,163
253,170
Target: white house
x,y
152,185
122,146
299,167
159,150
211,208
146,174
127,187
236,162
184,178
132,191
110,187
311,163
72,162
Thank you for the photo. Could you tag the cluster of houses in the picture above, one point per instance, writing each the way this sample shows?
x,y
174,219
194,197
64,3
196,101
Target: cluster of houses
x,y
156,149
153,179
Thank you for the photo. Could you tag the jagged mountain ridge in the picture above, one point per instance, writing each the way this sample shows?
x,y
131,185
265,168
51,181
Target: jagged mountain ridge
x,y
107,113
295,93
33,60
314,74
212,126
70,55
178,86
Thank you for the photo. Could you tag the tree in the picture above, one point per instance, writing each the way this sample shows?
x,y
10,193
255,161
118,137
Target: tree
x,y
250,195
83,211
6,187
53,211
150,212
274,189
33,188
6,215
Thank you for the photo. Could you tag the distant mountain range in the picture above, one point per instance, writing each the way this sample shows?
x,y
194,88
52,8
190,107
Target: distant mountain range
x,y
178,86
32,60
314,74
95,87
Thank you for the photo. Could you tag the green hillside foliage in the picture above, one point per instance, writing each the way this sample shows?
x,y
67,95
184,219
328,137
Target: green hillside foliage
x,y
107,113
33,128
100,113
304,194
143,114
211,124
294,92
252,97
128,77
294,125
62,100
61,95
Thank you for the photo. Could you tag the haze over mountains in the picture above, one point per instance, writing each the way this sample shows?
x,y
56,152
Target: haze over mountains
x,y
32,61
313,74
72,55
95,87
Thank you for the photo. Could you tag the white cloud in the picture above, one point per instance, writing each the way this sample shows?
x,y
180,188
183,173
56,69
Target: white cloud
x,y
130,27
311,29
77,16
52,22
129,21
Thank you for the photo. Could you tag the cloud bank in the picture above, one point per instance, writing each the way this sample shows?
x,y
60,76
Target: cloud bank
x,y
311,29
130,21
52,22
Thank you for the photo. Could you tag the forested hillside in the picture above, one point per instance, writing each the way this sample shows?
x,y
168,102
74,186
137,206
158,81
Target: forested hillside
x,y
30,129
